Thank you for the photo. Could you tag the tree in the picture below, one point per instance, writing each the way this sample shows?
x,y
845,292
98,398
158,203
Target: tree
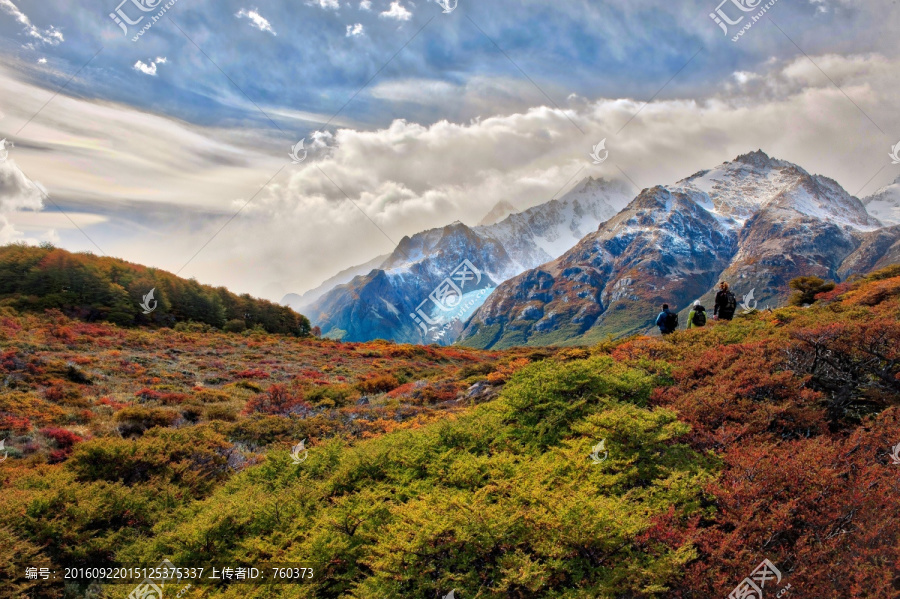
x,y
807,288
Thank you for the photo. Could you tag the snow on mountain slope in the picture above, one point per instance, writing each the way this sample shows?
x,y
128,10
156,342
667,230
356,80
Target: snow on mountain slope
x,y
358,311
757,222
884,204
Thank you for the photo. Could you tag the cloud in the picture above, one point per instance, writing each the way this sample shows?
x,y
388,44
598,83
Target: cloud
x,y
17,193
365,5
396,11
355,30
42,61
149,69
51,36
327,4
256,20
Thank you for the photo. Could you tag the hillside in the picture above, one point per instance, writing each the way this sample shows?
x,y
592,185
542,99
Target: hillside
x,y
765,438
94,289
757,222
395,300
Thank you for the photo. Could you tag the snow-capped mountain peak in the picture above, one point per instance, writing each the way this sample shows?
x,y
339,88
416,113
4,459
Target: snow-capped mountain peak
x,y
738,190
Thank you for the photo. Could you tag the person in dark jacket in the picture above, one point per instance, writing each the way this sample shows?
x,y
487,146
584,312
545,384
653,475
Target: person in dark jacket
x,y
726,303
667,321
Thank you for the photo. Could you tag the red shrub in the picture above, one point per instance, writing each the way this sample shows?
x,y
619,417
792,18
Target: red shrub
x,y
14,424
402,390
277,399
63,438
149,394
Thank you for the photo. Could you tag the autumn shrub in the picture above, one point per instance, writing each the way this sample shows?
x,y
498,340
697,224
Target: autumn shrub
x,y
137,419
211,396
333,395
730,393
436,393
378,384
277,399
223,413
856,365
65,394
62,438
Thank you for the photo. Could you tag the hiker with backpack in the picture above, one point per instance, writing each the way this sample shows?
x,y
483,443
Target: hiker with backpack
x,y
667,321
697,316
726,303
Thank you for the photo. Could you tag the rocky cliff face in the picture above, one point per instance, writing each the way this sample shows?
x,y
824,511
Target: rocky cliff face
x,y
756,222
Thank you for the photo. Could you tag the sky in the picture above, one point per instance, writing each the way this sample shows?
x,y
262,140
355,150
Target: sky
x,y
176,148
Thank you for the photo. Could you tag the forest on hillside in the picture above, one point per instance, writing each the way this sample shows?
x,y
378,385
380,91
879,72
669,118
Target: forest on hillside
x,y
96,288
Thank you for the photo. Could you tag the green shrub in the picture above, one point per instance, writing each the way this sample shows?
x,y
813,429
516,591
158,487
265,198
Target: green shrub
x,y
223,413
544,398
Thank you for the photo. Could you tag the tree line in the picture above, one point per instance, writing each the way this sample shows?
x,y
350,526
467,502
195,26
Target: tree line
x,y
95,288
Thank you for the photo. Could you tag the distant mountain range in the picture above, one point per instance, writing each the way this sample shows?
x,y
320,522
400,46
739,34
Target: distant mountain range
x,y
301,303
756,222
419,295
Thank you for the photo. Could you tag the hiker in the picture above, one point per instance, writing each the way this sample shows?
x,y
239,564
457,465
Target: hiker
x,y
697,316
667,321
726,303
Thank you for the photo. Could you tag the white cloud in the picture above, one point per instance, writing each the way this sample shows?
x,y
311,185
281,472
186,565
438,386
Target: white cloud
x,y
327,4
355,30
256,20
149,69
51,36
396,11
743,77
17,193
365,5
42,61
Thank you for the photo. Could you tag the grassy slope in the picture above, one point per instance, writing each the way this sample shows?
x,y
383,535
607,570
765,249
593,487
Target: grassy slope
x,y
726,446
